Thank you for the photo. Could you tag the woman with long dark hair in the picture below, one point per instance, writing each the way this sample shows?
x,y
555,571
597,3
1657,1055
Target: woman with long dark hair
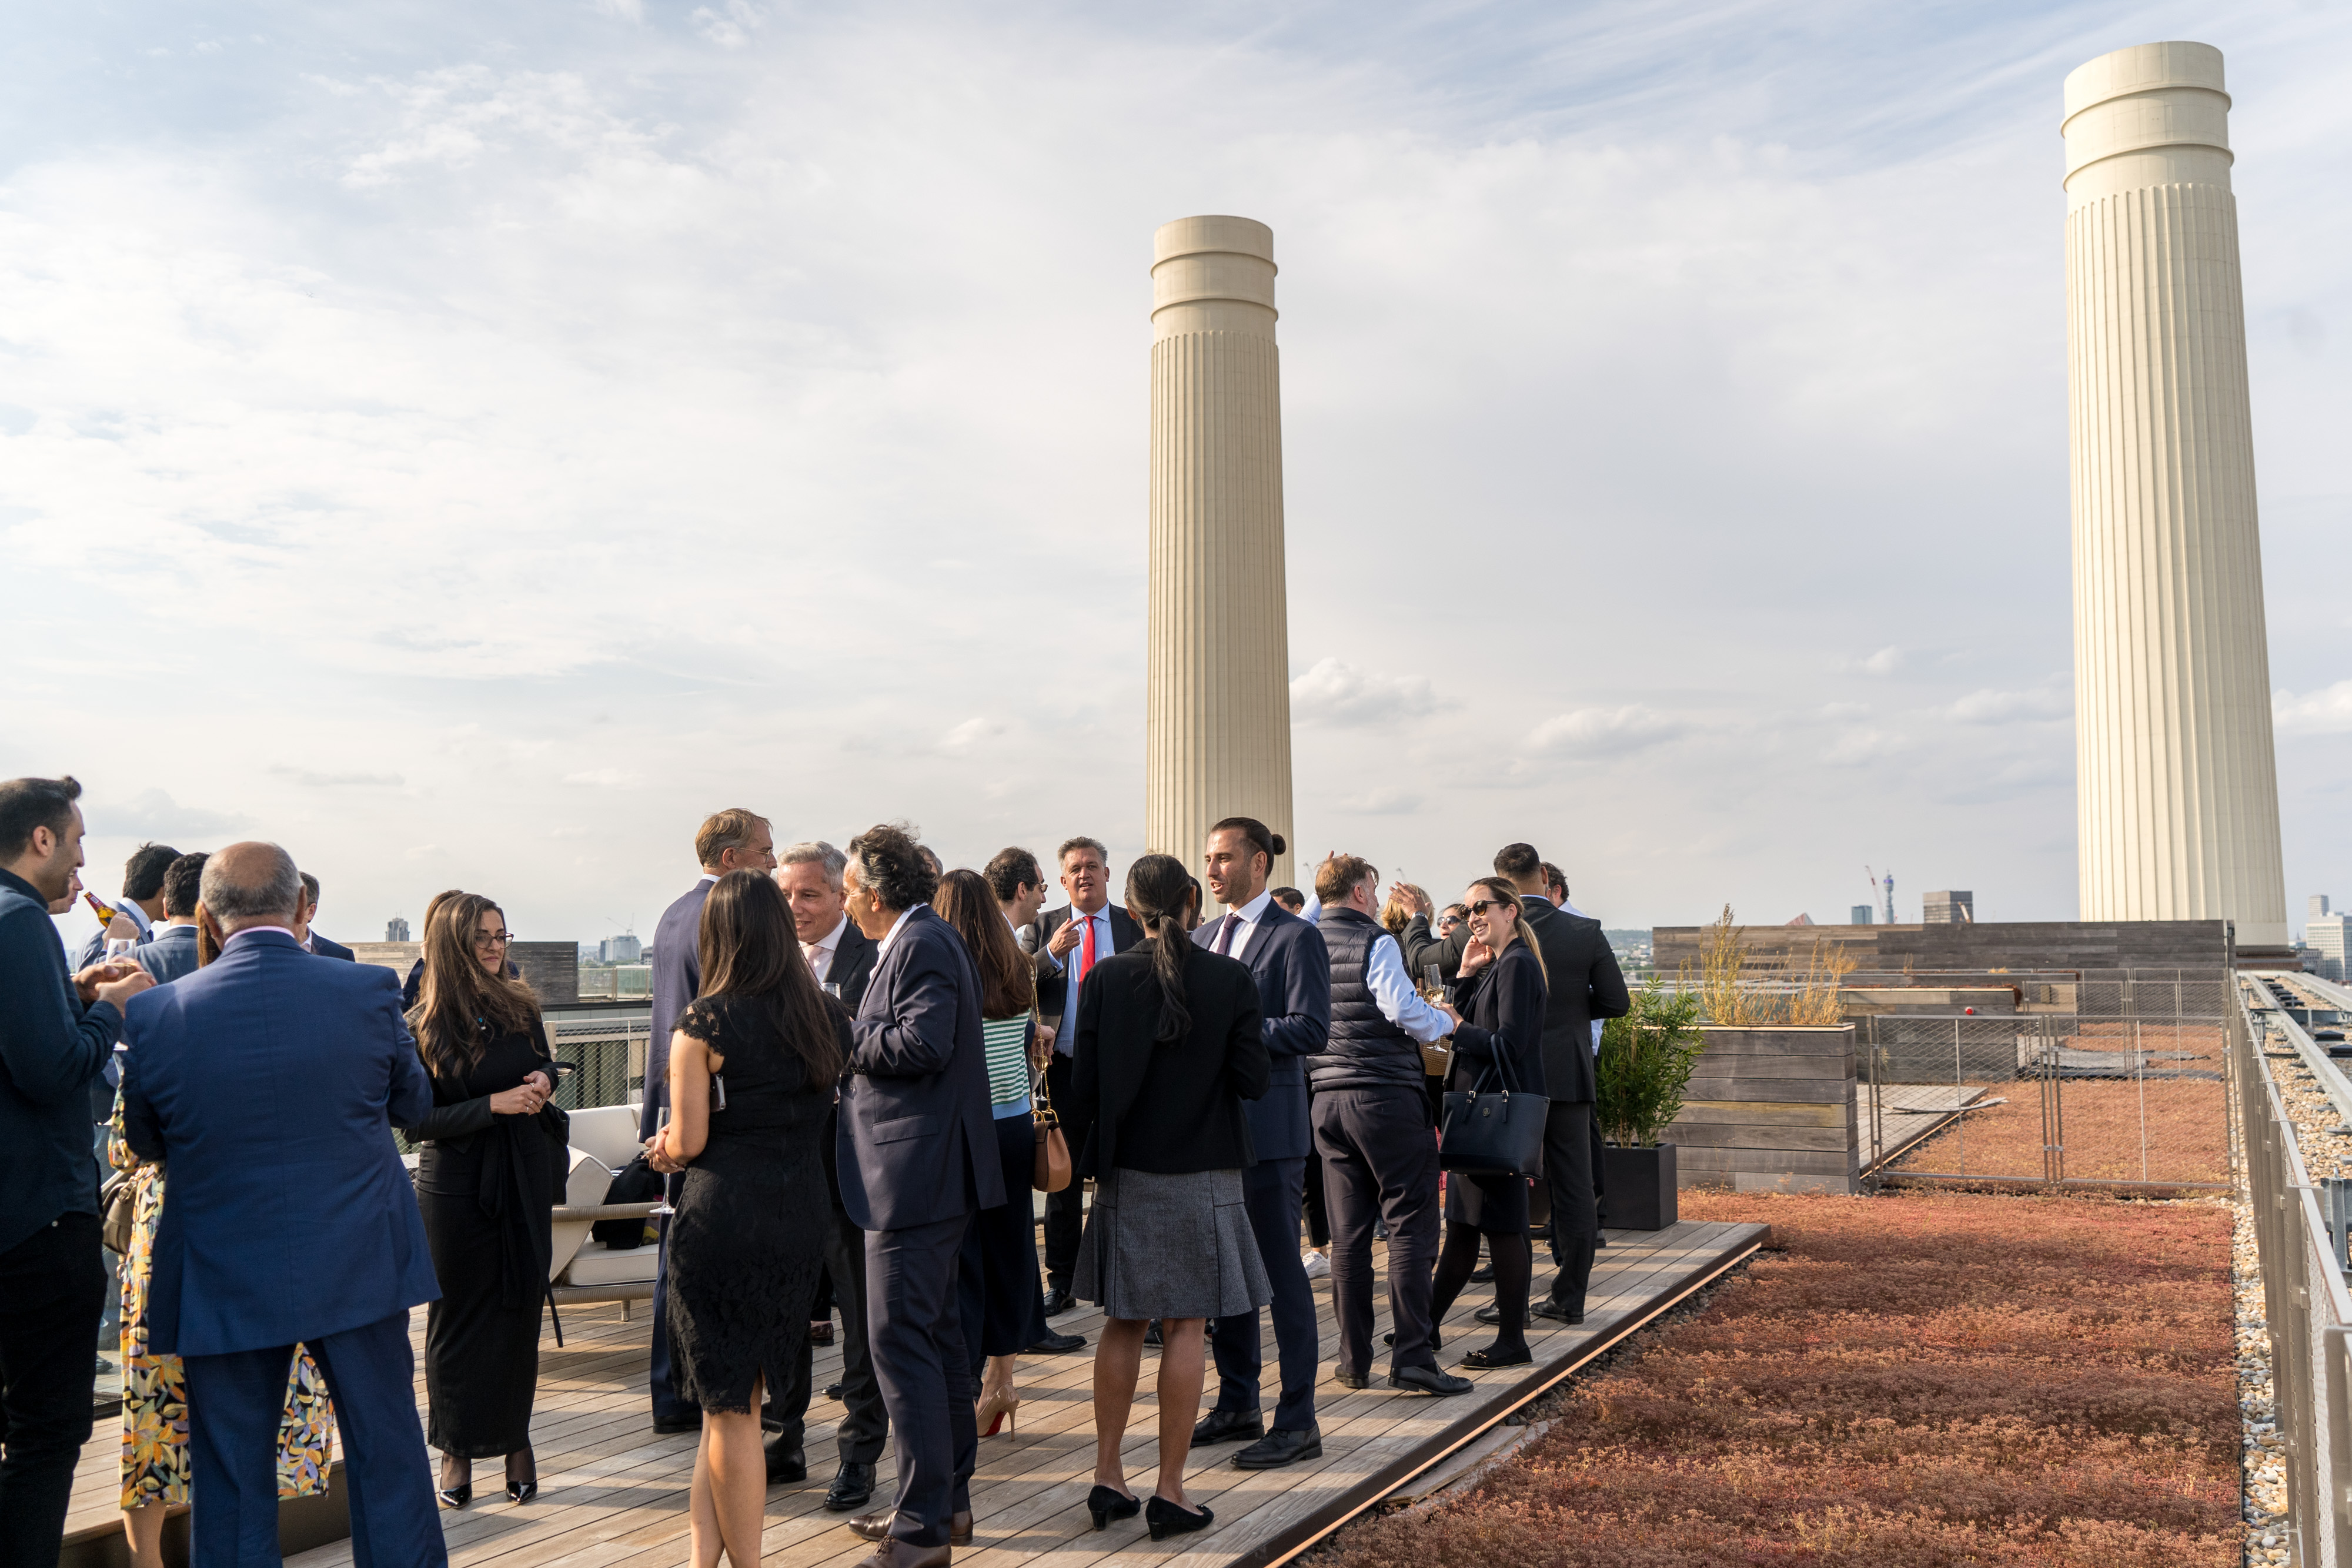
x,y
485,1181
1003,1304
751,1070
1501,1001
1167,1047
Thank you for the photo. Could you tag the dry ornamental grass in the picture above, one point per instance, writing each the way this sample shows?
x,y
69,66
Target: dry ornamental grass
x,y
1935,1378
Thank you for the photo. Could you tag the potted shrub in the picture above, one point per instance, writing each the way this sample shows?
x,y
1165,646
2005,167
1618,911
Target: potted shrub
x,y
1645,1061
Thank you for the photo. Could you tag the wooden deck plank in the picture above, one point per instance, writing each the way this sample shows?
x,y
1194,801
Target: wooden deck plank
x,y
613,1494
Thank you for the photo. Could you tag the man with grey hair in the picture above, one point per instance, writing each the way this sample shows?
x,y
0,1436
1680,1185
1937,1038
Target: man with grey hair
x,y
262,1063
842,958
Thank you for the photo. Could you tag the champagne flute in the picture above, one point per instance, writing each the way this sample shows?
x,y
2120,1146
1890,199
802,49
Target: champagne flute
x,y
664,1208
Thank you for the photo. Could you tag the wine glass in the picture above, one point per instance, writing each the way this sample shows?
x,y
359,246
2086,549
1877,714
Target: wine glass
x,y
119,947
664,1208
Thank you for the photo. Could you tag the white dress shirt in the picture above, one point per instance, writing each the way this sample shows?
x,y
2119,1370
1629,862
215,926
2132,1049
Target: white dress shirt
x,y
1392,989
896,926
820,952
1251,913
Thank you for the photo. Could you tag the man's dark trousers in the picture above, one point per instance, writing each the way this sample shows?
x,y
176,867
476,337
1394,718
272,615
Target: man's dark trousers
x,y
1066,1211
51,1288
1272,1190
1567,1172
914,1327
235,1401
1379,1161
865,1423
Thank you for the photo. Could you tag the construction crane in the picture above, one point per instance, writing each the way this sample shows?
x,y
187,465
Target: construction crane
x,y
1884,892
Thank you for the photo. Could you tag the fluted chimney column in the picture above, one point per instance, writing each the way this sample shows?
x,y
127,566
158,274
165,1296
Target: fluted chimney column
x,y
2176,786
1219,733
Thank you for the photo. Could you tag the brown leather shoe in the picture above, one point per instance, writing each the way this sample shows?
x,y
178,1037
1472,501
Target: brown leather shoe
x,y
876,1526
894,1554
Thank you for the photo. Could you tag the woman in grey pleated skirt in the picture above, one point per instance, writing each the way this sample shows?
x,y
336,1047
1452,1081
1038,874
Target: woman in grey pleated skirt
x,y
1167,1047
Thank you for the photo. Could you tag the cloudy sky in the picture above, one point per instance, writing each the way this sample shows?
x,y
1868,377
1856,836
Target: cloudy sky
x,y
468,444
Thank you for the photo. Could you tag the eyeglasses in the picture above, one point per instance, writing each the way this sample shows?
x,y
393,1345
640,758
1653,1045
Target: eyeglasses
x,y
500,940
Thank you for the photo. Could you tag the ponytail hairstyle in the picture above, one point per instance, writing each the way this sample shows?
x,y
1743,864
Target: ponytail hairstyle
x,y
1502,889
1160,893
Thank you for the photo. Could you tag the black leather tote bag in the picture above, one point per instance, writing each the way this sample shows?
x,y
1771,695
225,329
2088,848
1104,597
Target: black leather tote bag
x,y
1492,1129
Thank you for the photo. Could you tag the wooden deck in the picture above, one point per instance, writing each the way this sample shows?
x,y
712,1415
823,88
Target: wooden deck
x,y
612,1494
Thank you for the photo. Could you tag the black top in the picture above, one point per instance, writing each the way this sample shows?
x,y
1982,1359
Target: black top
x,y
1581,972
1176,1108
452,1159
51,1046
765,1074
1502,1011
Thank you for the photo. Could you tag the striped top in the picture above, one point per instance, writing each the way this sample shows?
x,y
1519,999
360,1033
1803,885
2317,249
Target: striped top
x,y
1008,1064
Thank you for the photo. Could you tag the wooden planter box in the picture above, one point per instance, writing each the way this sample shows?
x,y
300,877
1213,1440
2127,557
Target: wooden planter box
x,y
1638,1187
1771,1109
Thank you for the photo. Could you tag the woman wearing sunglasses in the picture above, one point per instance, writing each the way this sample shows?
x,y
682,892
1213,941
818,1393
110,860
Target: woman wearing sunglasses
x,y
1501,1001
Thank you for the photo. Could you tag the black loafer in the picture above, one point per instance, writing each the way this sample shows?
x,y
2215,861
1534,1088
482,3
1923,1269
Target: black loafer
x,y
1488,1314
1280,1447
1428,1380
1057,1345
853,1485
1059,1301
1483,1275
1558,1312
1351,1379
1225,1426
786,1466
1490,1356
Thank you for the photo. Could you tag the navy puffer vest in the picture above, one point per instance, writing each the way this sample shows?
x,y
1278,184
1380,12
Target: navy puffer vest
x,y
1363,1049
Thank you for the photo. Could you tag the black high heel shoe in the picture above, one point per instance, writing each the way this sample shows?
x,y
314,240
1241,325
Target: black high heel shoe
x,y
1106,1505
522,1489
457,1496
1166,1519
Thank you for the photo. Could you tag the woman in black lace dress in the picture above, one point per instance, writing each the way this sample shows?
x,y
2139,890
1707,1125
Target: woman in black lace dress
x,y
485,1182
748,1240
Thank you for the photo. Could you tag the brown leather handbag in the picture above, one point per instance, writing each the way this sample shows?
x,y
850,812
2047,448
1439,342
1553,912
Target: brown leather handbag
x,y
1052,1171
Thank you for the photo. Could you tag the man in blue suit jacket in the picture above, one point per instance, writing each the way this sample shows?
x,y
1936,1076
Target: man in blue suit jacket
x,y
1294,982
269,1084
324,947
916,1147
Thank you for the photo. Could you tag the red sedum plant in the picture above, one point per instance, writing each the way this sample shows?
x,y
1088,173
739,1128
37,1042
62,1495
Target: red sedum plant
x,y
1930,1379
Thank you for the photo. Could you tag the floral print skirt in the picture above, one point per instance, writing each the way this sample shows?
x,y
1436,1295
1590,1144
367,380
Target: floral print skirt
x,y
155,1461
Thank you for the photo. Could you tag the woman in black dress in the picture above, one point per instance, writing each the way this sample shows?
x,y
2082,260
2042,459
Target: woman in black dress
x,y
485,1182
751,1070
1502,1007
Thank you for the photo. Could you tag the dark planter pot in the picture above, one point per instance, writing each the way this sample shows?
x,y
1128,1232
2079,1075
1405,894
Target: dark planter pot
x,y
1638,1191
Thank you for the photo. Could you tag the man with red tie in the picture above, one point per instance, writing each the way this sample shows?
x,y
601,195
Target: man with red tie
x,y
1075,937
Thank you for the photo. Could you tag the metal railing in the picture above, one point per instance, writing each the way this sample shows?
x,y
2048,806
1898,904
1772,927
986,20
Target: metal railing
x,y
2051,1099
2306,1306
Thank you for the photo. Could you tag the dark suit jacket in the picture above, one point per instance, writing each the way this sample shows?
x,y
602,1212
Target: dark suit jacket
x,y
916,1142
852,966
269,1084
677,980
327,947
52,1048
1178,1107
1503,1010
1054,989
1293,968
1582,970
171,955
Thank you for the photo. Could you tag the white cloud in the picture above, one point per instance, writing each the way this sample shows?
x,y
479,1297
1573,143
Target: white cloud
x,y
731,26
1886,662
2328,711
1334,692
1593,732
2001,707
153,814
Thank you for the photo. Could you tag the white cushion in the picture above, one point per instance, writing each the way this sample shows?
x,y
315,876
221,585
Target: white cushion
x,y
595,1265
609,1132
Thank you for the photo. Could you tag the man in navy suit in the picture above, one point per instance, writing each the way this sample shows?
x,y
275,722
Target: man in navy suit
x,y
269,1084
1294,981
171,952
915,1149
142,902
1070,941
311,941
732,840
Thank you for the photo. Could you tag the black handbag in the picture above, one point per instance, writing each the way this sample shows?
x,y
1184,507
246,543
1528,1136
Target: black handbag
x,y
1492,1132
636,1182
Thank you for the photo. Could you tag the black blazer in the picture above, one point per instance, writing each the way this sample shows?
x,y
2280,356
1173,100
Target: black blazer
x,y
1176,1108
853,964
1502,1021
1054,988
677,980
1585,985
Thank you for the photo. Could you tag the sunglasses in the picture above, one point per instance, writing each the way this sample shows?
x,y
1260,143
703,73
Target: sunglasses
x,y
1485,904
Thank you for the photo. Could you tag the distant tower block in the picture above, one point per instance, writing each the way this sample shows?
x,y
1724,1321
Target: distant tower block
x,y
1218,743
2177,788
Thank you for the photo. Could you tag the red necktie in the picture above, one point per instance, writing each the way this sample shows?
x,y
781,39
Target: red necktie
x,y
1086,948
